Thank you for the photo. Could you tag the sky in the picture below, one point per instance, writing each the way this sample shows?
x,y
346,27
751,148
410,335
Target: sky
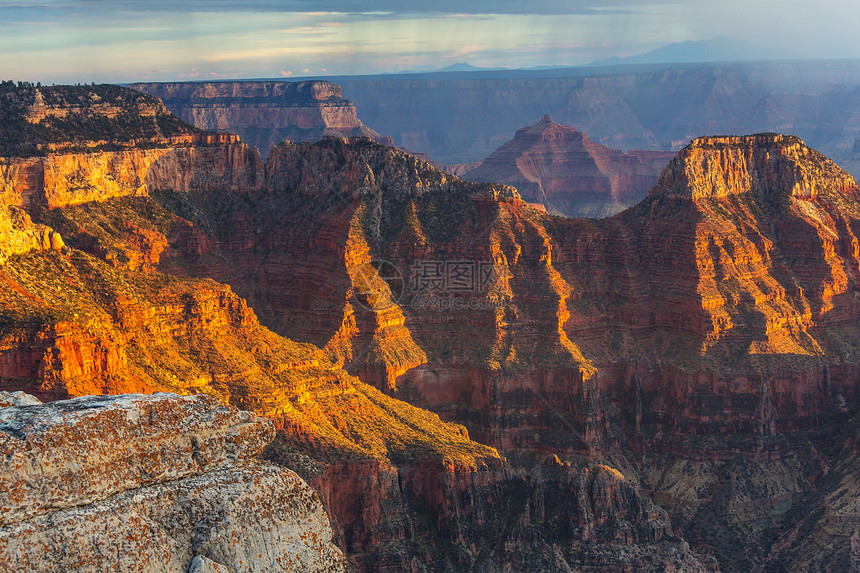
x,y
71,41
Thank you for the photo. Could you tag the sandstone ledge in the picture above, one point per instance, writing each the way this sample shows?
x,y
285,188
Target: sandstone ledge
x,y
74,452
255,518
148,483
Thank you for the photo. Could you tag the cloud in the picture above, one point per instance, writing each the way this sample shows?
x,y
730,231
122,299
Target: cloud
x,y
380,8
123,40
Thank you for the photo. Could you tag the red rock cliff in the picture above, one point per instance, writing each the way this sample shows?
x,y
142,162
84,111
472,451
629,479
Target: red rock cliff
x,y
72,178
376,461
696,291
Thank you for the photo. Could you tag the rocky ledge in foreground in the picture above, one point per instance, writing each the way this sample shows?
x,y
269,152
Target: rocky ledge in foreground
x,y
157,483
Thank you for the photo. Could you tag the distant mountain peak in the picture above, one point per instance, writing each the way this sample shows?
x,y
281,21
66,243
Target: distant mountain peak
x,y
721,49
465,67
548,130
559,167
460,67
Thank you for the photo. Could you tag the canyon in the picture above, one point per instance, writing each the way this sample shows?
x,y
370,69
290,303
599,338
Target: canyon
x,y
465,380
459,119
119,304
687,329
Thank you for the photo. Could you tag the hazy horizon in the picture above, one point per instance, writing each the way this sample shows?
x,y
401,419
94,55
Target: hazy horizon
x,y
131,40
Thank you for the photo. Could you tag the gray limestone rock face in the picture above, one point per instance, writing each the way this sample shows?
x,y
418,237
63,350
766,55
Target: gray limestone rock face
x,y
159,483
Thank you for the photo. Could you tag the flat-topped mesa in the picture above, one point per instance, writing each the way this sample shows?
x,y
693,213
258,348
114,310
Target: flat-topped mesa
x,y
40,120
359,167
764,163
66,145
290,92
264,113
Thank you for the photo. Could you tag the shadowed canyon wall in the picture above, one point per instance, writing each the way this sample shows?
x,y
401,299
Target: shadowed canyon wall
x,y
702,329
700,277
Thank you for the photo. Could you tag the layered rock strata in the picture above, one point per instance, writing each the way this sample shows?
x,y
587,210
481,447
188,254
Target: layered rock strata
x,y
668,280
98,316
376,461
39,120
560,168
720,305
464,118
264,113
562,517
681,338
74,178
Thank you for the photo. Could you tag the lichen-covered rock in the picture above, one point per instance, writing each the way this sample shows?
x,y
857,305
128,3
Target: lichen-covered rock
x,y
257,518
17,398
145,483
202,564
69,453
